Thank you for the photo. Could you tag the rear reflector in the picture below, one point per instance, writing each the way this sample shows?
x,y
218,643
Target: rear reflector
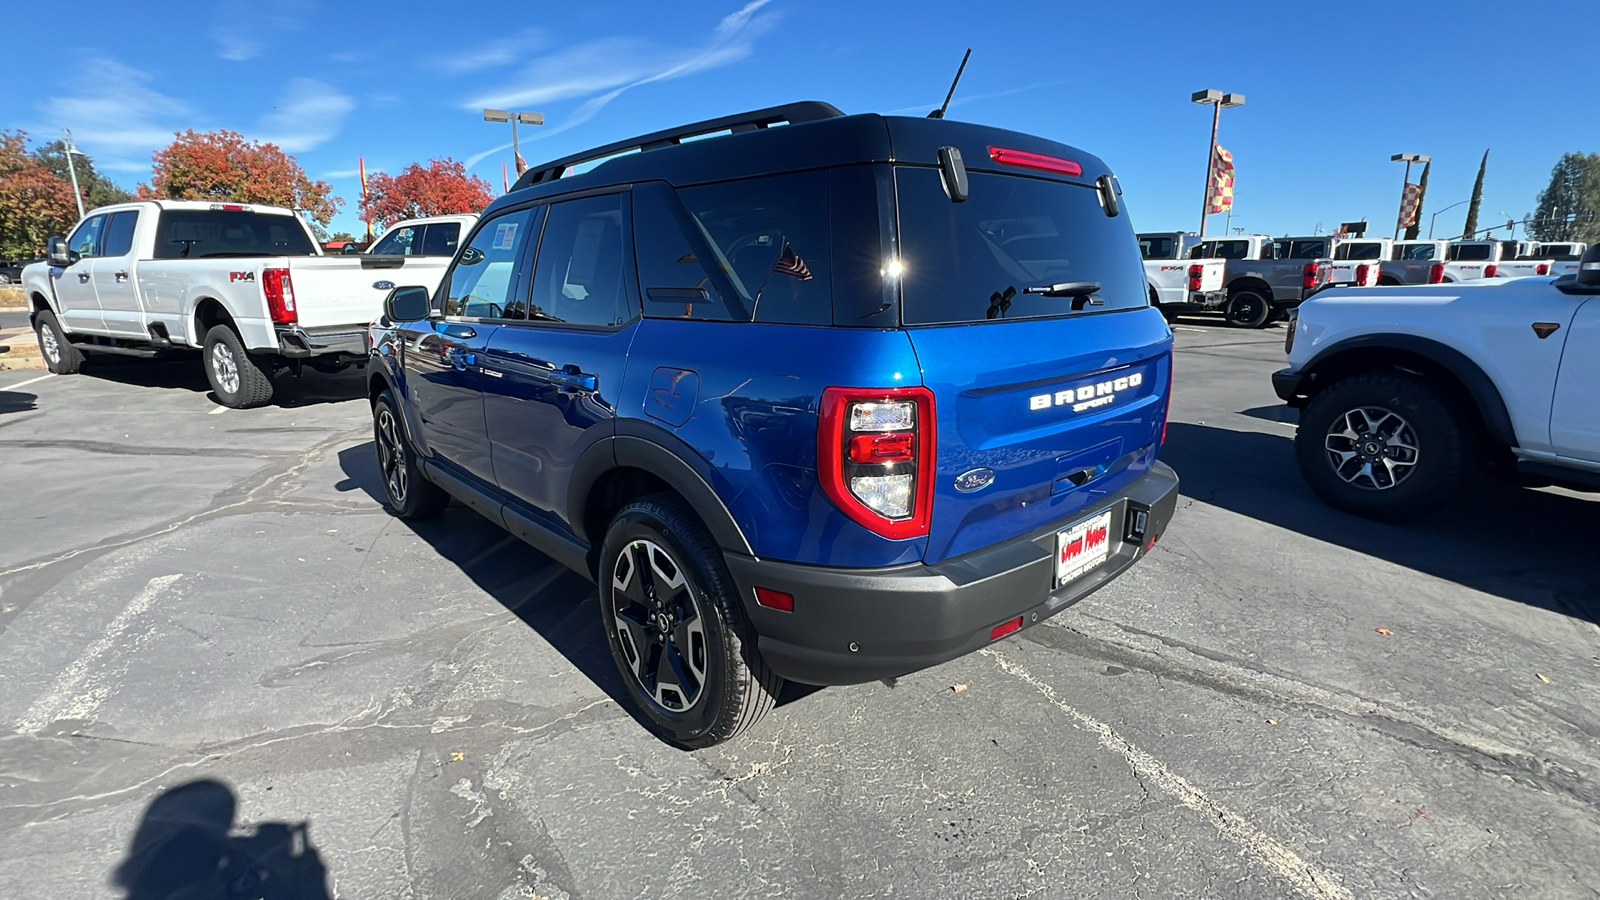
x,y
772,599
1026,160
1005,628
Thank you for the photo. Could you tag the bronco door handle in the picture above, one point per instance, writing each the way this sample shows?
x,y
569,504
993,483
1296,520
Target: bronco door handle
x,y
571,377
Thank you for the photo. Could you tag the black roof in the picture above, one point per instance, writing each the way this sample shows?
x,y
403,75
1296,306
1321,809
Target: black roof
x,y
794,137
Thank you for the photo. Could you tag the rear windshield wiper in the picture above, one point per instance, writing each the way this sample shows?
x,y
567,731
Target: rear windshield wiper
x,y
1081,292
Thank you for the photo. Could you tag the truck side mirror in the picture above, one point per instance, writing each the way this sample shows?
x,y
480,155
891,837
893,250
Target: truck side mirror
x,y
408,304
56,254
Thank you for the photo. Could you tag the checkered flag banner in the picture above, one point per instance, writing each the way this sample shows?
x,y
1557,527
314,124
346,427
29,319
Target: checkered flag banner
x,y
1408,205
1221,180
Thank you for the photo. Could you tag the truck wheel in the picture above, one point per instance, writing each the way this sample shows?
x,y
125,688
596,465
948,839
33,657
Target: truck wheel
x,y
676,628
1247,309
407,491
60,356
236,377
1382,445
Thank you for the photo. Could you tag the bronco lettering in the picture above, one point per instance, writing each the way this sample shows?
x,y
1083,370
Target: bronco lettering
x,y
1088,396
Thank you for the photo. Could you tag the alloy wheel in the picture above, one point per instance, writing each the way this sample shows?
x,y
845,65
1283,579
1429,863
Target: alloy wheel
x,y
225,367
1372,448
50,345
392,457
659,626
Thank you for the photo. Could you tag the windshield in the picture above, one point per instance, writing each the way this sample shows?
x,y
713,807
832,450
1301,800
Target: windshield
x,y
998,254
207,233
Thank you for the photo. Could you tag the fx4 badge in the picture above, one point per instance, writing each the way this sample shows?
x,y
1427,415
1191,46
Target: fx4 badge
x,y
241,276
1087,396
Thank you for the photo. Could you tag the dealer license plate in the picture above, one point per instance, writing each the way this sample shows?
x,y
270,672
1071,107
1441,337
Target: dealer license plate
x,y
1081,548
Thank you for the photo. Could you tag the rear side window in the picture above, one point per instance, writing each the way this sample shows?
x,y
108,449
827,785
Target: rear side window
x,y
211,233
580,276
1291,249
119,233
977,260
441,239
1416,252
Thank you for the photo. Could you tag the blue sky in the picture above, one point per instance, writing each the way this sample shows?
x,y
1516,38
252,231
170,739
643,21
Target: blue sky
x,y
1333,88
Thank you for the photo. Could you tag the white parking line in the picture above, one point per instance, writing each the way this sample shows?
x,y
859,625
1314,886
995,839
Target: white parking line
x,y
77,692
1310,880
12,387
218,411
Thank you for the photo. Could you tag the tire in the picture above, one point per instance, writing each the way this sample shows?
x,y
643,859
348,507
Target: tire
x,y
238,379
407,491
60,356
1248,308
717,685
1419,442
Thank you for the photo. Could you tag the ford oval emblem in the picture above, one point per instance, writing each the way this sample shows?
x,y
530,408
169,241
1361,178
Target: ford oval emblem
x,y
383,285
974,480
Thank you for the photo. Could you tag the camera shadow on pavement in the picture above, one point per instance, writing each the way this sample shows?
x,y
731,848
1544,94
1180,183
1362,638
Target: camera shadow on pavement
x,y
17,401
1534,547
187,845
185,374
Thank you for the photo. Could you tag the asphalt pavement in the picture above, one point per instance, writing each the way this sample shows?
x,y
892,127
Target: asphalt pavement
x,y
13,318
218,645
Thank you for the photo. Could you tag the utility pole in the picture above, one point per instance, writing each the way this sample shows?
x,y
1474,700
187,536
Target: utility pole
x,y
1218,100
70,148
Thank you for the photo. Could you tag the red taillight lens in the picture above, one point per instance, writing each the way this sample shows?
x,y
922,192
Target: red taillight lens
x,y
1361,274
1166,408
1026,160
1194,277
1542,269
875,457
1436,273
1308,276
1491,271
279,291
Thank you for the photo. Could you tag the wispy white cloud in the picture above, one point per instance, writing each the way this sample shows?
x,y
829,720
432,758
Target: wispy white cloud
x,y
603,69
494,53
341,173
961,100
242,30
114,114
308,114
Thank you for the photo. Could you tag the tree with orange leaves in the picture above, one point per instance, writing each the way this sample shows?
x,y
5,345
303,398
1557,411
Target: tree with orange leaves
x,y
34,203
443,188
223,166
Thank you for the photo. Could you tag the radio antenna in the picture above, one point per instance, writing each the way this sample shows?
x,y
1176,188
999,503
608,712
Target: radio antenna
x,y
939,113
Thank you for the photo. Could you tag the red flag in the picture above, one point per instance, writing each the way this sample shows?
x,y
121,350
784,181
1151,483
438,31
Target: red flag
x,y
504,183
1221,180
522,164
1408,205
361,165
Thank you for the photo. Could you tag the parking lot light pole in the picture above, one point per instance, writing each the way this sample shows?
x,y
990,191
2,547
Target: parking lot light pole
x,y
1408,159
1218,100
70,148
526,118
1436,215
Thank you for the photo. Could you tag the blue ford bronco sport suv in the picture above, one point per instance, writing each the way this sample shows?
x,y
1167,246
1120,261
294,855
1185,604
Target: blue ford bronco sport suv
x,y
825,398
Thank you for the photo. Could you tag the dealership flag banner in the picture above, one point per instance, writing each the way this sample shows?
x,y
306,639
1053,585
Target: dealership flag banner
x,y
361,164
1221,180
1408,205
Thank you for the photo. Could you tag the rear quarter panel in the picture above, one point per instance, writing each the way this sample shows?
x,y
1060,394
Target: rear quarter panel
x,y
172,289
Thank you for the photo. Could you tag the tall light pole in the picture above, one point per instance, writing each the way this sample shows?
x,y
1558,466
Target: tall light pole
x,y
526,118
1408,159
1436,215
69,149
1218,100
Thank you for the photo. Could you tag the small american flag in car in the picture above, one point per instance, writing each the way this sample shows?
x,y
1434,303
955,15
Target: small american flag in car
x,y
790,263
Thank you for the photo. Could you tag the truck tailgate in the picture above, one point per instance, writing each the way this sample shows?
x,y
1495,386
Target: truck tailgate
x,y
344,290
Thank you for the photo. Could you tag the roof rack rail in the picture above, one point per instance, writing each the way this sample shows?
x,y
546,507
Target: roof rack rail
x,y
790,113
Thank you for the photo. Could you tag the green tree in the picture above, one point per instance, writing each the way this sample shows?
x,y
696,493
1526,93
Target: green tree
x,y
1471,228
1415,228
1569,208
98,190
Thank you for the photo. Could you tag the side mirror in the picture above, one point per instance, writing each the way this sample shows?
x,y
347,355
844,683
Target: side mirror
x,y
56,254
408,304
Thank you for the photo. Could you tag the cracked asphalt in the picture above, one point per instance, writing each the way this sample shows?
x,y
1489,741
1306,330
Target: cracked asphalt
x,y
215,641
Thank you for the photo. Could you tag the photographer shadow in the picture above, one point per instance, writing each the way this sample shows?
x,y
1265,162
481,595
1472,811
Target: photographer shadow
x,y
186,847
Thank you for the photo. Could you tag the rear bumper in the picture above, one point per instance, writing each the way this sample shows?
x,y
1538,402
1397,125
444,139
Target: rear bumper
x,y
855,625
298,343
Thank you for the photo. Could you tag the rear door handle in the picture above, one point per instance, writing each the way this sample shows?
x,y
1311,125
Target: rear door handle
x,y
83,277
460,358
121,277
571,377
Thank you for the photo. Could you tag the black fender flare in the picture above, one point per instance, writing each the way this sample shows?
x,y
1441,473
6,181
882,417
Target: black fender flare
x,y
655,450
1491,406
381,373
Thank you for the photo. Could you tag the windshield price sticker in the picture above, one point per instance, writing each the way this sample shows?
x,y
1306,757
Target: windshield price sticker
x,y
505,234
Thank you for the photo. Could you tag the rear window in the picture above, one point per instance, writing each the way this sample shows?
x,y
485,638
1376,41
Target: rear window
x,y
1293,249
976,260
211,233
1159,247
1470,251
1359,251
1416,252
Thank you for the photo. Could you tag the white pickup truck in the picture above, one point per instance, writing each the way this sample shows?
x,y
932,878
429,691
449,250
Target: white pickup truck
x,y
244,284
1405,392
1176,283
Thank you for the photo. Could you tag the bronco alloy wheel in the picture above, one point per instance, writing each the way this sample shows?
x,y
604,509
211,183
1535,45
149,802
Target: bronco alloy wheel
x,y
408,492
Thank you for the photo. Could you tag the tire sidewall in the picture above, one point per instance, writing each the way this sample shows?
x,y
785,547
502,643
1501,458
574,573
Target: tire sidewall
x,y
1441,444
407,457
640,522
1263,303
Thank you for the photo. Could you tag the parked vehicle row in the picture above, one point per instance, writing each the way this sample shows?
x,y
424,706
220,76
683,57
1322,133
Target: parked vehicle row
x,y
245,285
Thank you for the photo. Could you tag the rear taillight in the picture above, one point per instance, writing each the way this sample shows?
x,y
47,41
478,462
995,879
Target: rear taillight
x,y
279,291
1194,277
1288,339
1308,276
1491,271
1542,269
875,457
1361,274
1436,273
